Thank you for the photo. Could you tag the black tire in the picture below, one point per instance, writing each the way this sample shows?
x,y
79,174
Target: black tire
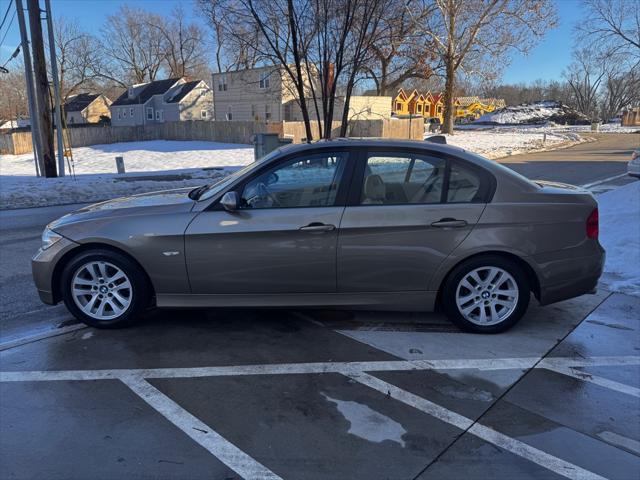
x,y
450,286
140,288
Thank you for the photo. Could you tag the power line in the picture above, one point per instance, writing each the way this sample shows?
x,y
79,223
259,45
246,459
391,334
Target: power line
x,y
9,27
4,18
13,55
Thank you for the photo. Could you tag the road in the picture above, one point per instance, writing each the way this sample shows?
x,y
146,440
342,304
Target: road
x,y
231,394
581,164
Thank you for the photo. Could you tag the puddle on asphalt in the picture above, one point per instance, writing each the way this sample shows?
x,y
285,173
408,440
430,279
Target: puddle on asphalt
x,y
367,423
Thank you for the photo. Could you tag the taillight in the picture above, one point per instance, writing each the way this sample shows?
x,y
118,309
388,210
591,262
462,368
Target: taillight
x,y
592,224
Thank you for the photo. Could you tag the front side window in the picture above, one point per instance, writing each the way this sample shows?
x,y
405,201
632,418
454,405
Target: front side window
x,y
395,179
307,181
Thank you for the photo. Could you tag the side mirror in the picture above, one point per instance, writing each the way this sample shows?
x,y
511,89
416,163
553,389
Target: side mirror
x,y
230,201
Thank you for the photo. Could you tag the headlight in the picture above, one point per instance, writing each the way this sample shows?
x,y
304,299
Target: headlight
x,y
49,237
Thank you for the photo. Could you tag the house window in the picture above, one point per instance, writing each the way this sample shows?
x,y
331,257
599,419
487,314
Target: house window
x,y
124,113
267,112
398,106
160,115
229,114
253,112
118,110
264,80
131,112
222,83
419,108
149,113
204,114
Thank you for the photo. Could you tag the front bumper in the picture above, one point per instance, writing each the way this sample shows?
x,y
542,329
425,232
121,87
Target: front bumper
x,y
562,279
43,267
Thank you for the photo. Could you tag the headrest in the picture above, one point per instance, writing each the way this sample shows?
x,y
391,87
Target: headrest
x,y
374,188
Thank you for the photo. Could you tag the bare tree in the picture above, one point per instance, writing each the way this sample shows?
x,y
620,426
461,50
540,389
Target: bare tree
x,y
400,52
613,25
621,90
78,56
132,48
585,75
13,101
183,44
483,32
233,50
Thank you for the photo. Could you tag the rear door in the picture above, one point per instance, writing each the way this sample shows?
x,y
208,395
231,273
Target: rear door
x,y
283,237
406,213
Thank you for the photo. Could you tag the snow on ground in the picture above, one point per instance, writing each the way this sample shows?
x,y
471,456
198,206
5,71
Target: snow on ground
x,y
499,142
619,211
534,113
152,165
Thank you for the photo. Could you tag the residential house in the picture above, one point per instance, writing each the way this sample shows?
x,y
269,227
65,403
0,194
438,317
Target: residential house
x,y
86,108
267,94
170,100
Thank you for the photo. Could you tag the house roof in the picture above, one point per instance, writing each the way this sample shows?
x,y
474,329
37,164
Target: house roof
x,y
79,102
182,91
157,87
466,101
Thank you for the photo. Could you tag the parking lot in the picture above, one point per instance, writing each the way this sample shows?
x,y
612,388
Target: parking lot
x,y
316,394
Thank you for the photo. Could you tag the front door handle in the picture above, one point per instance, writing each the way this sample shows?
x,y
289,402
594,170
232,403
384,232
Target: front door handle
x,y
318,227
449,223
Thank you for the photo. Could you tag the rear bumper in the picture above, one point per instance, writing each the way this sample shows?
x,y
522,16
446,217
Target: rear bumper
x,y
568,278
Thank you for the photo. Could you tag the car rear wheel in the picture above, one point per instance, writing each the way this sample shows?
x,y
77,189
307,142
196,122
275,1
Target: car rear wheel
x,y
104,289
487,294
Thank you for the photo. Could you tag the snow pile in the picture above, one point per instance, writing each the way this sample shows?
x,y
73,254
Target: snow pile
x,y
534,113
497,144
620,236
150,166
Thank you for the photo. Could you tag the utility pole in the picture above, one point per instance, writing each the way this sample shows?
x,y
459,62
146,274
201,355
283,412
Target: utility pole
x,y
33,107
42,89
56,88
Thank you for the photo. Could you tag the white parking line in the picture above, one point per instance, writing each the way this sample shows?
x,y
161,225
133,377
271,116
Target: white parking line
x,y
40,336
345,368
597,380
604,180
521,449
201,433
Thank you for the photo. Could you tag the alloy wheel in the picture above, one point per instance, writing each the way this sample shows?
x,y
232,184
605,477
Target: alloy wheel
x,y
487,296
101,290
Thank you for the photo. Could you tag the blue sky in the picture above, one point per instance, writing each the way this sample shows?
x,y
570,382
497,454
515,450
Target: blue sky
x,y
546,61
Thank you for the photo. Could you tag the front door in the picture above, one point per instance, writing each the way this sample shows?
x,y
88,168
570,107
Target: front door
x,y
406,214
283,237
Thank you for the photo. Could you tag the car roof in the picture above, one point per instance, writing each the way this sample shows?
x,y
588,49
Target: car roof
x,y
371,143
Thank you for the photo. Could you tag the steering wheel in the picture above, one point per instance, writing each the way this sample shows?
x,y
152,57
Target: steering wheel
x,y
263,191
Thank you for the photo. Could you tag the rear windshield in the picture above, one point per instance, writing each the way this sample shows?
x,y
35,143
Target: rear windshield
x,y
505,169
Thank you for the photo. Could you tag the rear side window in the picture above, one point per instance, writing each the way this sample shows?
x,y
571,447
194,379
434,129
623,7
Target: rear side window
x,y
464,185
394,179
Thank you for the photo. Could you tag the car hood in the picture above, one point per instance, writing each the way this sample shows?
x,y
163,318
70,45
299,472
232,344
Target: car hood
x,y
166,201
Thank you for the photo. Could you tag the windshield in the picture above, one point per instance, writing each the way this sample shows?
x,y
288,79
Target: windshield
x,y
213,189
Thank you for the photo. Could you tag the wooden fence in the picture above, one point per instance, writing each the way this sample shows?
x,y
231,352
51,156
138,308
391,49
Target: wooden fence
x,y
19,142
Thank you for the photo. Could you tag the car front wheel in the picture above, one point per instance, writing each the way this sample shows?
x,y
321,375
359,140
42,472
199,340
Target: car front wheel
x,y
486,294
104,289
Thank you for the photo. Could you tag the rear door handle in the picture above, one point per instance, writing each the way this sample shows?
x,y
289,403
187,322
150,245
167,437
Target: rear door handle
x,y
449,223
318,227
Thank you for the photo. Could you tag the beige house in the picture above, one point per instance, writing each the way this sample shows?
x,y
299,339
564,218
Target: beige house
x,y
86,108
267,94
170,100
